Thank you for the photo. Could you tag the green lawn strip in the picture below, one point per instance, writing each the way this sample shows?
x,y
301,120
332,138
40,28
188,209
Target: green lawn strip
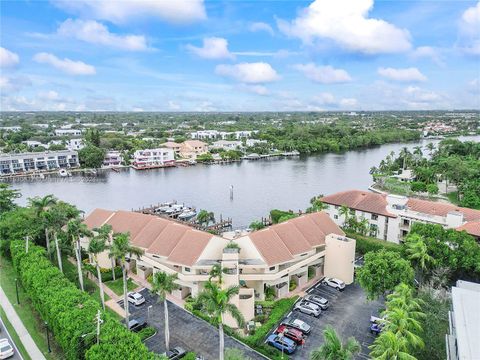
x,y
453,197
26,311
117,285
14,335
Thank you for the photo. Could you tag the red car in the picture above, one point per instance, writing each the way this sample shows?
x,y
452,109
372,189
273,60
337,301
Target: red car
x,y
291,333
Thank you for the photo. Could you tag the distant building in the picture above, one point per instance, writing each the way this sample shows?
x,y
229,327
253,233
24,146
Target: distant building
x,y
151,158
68,132
405,175
192,148
41,161
11,128
34,144
113,158
205,134
253,142
75,144
176,147
226,145
390,217
464,322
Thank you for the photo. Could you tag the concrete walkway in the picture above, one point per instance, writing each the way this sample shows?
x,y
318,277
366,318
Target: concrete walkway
x,y
20,329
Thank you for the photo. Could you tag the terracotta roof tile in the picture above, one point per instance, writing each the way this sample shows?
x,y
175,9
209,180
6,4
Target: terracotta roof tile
x,y
360,200
270,246
127,221
325,223
292,238
150,232
441,209
166,241
310,230
97,217
472,227
189,248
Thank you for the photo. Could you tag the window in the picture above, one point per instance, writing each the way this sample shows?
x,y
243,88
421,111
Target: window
x,y
187,269
336,206
374,217
156,256
335,217
271,268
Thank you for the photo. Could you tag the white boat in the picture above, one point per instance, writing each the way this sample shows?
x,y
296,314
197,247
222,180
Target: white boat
x,y
187,215
63,173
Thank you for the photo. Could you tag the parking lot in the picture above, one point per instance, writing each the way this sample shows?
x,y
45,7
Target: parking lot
x,y
186,330
349,314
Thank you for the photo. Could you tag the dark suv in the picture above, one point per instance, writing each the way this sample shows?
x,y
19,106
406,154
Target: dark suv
x,y
137,324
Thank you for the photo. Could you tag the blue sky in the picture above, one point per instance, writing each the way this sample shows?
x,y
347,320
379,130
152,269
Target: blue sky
x,y
194,55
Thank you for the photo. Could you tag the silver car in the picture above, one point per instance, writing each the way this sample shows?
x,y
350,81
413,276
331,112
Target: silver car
x,y
308,308
318,300
335,283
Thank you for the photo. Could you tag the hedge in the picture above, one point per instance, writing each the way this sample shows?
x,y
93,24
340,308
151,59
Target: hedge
x,y
365,244
70,312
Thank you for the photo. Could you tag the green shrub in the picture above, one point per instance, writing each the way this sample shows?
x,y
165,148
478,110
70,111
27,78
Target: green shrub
x,y
146,332
365,244
257,225
418,186
190,356
69,312
276,215
432,189
292,286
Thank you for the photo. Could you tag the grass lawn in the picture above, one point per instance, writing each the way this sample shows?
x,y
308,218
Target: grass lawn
x,y
26,311
14,335
453,197
117,285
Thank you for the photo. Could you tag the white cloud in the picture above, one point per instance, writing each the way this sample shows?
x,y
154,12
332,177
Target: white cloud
x,y
213,48
96,33
261,26
255,89
13,84
249,73
172,105
8,58
470,30
328,100
323,74
66,65
428,52
178,11
403,75
205,106
346,23
48,95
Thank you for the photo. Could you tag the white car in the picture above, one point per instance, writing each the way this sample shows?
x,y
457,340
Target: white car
x,y
308,308
335,283
6,349
135,298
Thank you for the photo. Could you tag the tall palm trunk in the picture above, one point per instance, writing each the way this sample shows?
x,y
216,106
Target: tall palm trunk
x,y
125,300
113,269
78,255
47,241
59,254
167,329
100,284
222,340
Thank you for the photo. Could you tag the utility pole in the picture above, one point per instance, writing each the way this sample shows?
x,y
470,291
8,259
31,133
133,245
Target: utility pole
x,y
98,326
26,244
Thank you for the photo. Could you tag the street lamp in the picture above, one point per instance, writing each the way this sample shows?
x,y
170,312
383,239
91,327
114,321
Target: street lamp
x,y
281,335
48,337
16,289
148,312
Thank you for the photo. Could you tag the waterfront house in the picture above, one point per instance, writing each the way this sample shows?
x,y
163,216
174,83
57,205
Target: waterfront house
x,y
390,217
152,158
226,145
75,144
37,161
192,148
176,147
68,132
113,158
299,251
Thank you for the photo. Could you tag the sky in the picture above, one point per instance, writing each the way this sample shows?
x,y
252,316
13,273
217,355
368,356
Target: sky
x,y
201,56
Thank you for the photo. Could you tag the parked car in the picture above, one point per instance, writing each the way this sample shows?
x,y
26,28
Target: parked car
x,y
376,328
335,283
291,333
135,298
308,308
175,353
297,324
318,300
282,343
6,349
137,324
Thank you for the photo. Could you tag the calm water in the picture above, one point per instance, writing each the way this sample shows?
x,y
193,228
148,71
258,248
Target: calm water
x,y
259,186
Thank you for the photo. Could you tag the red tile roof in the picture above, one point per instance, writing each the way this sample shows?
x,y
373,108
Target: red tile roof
x,y
441,209
360,200
280,243
472,227
190,246
97,218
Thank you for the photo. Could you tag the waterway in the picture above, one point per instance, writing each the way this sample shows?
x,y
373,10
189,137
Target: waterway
x,y
258,186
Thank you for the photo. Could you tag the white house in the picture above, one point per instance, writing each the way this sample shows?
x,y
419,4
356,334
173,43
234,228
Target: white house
x,y
113,158
390,217
75,144
153,158
68,132
41,161
226,145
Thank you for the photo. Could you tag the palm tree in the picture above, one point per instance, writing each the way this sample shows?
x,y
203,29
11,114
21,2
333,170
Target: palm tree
x,y
333,349
362,226
96,246
204,217
216,302
105,232
417,253
216,272
404,155
163,284
75,230
119,250
404,324
390,346
344,211
41,206
430,148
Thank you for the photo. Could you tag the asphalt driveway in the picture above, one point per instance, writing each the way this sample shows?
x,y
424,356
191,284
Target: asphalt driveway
x,y
349,314
186,330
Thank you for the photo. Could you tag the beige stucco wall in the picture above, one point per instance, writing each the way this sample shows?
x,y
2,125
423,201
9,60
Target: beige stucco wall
x,y
339,258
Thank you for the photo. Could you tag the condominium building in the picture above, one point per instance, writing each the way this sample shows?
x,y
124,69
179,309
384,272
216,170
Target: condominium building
x,y
189,149
37,161
151,158
75,144
274,257
464,322
113,158
226,145
390,217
